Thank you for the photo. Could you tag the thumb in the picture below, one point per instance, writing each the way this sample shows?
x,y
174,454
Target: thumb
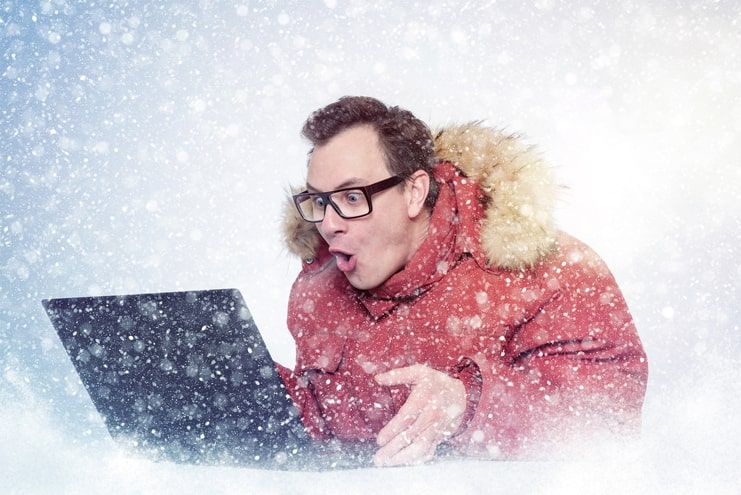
x,y
408,375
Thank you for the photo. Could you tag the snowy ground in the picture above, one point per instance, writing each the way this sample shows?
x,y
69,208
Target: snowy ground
x,y
691,446
146,146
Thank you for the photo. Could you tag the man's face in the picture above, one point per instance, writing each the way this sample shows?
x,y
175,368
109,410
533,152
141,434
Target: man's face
x,y
370,249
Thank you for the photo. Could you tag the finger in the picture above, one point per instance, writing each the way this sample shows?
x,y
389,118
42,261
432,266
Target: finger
x,y
418,413
398,424
405,437
393,447
403,420
420,450
403,376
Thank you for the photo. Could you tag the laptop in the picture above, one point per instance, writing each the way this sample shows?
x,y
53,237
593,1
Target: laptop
x,y
186,377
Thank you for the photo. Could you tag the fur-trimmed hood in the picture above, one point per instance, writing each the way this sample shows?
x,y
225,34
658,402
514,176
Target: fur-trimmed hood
x,y
518,228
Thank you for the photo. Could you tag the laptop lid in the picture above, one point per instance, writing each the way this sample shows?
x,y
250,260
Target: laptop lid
x,y
183,376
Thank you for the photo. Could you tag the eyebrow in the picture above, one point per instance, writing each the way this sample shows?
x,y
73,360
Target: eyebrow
x,y
352,181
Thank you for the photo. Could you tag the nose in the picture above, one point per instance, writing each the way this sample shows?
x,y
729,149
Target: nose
x,y
332,223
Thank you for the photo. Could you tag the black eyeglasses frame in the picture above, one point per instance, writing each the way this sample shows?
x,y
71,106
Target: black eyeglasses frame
x,y
367,191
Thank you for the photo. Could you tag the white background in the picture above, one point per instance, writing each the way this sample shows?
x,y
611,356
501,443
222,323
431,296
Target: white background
x,y
147,146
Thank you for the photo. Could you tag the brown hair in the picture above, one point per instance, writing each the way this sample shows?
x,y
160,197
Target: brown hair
x,y
405,140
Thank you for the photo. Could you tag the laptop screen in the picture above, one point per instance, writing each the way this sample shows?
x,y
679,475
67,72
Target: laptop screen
x,y
183,376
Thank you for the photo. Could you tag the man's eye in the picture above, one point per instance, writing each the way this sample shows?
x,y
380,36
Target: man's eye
x,y
353,197
319,202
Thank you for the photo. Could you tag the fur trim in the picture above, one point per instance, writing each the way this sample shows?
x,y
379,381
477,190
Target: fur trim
x,y
300,237
518,229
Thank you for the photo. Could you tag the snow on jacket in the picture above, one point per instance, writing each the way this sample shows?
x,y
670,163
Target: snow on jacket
x,y
528,317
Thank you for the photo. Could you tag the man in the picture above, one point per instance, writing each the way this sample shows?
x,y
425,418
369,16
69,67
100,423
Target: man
x,y
438,307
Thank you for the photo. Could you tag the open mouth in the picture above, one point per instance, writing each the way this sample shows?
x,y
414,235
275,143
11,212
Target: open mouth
x,y
345,262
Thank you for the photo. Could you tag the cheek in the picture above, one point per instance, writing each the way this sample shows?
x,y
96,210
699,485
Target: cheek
x,y
385,246
321,232
382,235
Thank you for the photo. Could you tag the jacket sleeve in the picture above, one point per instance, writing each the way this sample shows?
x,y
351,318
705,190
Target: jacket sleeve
x,y
574,368
305,402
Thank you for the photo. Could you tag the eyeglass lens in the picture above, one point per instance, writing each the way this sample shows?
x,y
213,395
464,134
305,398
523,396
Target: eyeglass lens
x,y
350,203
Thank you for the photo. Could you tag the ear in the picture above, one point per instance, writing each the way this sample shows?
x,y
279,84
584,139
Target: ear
x,y
416,188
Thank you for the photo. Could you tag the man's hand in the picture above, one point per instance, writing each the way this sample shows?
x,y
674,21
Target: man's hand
x,y
432,413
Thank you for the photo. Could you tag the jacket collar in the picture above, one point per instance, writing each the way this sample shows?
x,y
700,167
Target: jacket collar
x,y
453,224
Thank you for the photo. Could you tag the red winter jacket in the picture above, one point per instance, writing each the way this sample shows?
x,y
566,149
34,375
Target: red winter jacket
x,y
529,318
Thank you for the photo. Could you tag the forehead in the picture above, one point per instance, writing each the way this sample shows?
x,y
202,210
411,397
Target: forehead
x,y
352,155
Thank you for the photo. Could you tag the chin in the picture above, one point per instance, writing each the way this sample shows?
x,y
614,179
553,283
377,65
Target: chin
x,y
359,283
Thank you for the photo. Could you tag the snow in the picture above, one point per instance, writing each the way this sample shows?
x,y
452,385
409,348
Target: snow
x,y
148,146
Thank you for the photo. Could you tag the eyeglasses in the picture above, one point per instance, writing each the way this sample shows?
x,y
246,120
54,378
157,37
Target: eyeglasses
x,y
349,202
